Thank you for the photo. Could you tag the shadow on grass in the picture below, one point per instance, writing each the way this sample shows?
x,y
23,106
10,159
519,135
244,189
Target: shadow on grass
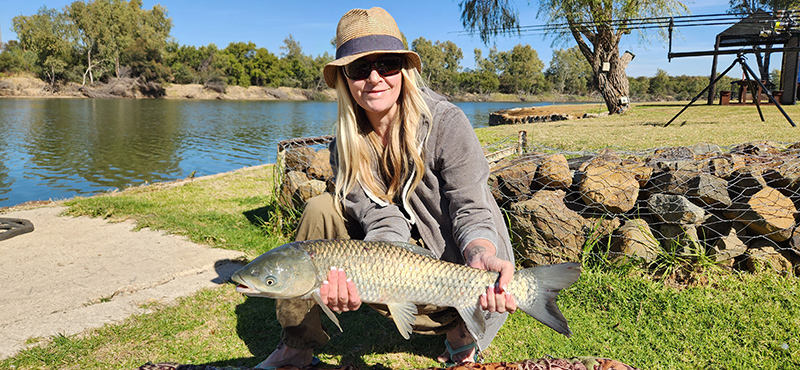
x,y
366,333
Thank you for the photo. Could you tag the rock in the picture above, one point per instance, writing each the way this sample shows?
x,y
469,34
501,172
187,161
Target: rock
x,y
641,171
672,181
757,148
763,256
675,209
728,247
291,182
794,241
723,166
785,175
320,166
607,186
746,181
517,116
705,149
709,190
680,239
308,190
767,212
514,182
634,239
298,159
554,173
545,230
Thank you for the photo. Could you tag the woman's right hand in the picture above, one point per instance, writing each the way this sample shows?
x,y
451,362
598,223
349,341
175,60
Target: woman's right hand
x,y
339,293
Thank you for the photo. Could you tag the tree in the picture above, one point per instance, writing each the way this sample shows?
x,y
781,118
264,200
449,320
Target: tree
x,y
89,27
520,70
751,6
568,72
441,63
483,79
47,34
589,22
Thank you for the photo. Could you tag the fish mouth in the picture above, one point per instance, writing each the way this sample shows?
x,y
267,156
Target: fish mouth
x,y
244,289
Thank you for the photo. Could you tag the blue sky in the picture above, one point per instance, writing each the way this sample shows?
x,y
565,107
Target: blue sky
x,y
313,24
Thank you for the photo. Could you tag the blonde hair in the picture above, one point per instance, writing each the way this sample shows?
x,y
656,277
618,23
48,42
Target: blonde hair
x,y
362,157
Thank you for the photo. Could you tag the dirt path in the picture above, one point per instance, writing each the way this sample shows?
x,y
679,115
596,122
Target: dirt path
x,y
73,274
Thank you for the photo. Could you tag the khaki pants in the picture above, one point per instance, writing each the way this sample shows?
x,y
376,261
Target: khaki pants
x,y
300,319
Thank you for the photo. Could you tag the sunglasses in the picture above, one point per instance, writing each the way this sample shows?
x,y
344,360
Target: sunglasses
x,y
388,65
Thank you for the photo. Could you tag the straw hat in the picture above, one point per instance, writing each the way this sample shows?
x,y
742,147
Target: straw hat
x,y
363,32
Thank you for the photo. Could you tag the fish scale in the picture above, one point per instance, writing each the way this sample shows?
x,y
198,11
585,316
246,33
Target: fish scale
x,y
401,276
455,285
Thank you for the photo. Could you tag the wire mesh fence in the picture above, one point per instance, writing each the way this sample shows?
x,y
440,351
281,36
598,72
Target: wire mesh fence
x,y
732,206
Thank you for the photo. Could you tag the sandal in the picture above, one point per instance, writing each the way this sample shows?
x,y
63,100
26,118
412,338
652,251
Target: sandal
x,y
452,352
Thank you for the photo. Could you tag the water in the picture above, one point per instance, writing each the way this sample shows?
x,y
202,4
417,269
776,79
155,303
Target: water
x,y
60,148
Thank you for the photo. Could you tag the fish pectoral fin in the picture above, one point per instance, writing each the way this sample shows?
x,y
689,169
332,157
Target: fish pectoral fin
x,y
403,316
473,318
326,309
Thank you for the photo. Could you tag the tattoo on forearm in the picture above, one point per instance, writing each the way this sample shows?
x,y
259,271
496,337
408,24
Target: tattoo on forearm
x,y
474,251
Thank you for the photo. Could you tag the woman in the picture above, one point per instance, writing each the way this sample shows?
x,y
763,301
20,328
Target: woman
x,y
408,168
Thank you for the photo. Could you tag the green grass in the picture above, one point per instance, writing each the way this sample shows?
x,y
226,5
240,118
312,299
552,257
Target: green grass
x,y
643,128
235,211
727,321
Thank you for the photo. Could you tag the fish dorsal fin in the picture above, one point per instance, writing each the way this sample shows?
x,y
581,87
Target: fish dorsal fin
x,y
416,249
318,299
403,316
473,318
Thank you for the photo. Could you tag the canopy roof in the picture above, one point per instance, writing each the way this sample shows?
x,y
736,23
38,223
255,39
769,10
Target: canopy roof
x,y
755,29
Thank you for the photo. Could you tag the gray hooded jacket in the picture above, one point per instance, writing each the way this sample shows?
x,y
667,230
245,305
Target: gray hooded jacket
x,y
450,207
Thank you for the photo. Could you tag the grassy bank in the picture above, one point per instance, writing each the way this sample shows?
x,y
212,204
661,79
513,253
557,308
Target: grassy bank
x,y
726,321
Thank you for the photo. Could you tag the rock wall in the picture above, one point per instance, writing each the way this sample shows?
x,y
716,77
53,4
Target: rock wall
x,y
525,115
736,206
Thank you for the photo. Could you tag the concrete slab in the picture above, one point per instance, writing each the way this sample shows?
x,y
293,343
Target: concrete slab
x,y
76,273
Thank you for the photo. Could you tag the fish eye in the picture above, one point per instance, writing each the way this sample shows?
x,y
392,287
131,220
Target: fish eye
x,y
270,281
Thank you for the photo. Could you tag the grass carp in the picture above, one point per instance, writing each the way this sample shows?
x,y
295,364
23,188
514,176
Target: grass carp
x,y
402,276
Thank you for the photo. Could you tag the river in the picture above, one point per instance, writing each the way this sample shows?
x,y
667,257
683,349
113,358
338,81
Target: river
x,y
60,148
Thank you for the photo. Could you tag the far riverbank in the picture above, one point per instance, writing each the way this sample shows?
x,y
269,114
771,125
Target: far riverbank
x,y
126,88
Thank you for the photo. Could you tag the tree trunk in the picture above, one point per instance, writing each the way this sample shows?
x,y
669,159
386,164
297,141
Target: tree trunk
x,y
607,64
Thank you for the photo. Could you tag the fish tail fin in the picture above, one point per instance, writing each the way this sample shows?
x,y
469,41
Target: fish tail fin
x,y
548,281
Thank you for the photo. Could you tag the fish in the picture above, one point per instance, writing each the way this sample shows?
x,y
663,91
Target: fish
x,y
402,276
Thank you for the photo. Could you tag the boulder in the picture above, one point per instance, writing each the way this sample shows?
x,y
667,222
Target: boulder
x,y
728,247
634,239
513,182
641,171
607,186
298,159
709,190
784,175
763,256
553,172
675,209
545,230
672,181
723,166
308,190
320,166
767,212
746,181
680,239
291,182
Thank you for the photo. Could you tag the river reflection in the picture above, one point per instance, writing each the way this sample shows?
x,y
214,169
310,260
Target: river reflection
x,y
59,148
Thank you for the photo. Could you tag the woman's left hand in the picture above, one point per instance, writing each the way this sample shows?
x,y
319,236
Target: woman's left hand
x,y
496,298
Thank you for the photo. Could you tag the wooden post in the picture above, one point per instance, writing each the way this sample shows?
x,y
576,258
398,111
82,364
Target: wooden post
x,y
712,91
789,73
